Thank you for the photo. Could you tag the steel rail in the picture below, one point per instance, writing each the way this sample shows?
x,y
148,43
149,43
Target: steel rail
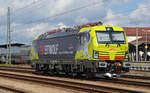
x,y
15,67
68,84
17,70
14,90
118,80
136,77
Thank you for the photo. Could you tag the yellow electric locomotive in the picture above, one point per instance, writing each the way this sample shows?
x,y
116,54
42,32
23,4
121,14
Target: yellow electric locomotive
x,y
93,50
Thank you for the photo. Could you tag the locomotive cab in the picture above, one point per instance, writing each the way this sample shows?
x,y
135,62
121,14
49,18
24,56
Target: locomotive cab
x,y
110,50
106,47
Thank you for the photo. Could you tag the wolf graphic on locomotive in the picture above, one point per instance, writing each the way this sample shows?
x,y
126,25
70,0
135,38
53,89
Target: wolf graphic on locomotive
x,y
91,49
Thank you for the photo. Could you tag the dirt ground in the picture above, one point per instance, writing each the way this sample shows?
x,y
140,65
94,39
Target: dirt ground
x,y
29,87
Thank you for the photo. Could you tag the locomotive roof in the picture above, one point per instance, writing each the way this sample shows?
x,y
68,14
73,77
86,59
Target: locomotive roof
x,y
59,34
69,31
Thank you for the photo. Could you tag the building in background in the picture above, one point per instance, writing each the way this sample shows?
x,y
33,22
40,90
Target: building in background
x,y
143,42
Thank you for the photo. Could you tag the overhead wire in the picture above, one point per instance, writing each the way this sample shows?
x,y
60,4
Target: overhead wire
x,y
125,11
75,9
69,11
28,6
72,10
66,12
63,13
20,9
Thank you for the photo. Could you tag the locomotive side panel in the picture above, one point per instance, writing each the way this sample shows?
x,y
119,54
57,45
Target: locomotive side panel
x,y
60,48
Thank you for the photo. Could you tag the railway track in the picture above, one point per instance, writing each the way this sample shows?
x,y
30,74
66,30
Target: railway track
x,y
12,90
136,77
115,81
127,82
68,84
17,67
22,70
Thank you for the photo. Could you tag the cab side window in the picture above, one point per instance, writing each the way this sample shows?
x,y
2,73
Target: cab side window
x,y
87,36
84,38
81,39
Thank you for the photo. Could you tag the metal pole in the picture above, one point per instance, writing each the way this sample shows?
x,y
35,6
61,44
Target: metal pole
x,y
8,38
7,60
136,44
146,47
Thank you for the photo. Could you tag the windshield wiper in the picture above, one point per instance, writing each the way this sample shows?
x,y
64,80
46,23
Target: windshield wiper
x,y
107,45
118,44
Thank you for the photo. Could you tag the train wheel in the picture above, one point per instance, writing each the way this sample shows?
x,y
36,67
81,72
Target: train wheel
x,y
89,75
45,72
37,68
79,75
66,74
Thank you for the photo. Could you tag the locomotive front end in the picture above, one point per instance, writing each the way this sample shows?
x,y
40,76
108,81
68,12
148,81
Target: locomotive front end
x,y
110,50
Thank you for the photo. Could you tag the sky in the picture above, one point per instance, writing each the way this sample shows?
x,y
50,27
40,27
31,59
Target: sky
x,y
30,18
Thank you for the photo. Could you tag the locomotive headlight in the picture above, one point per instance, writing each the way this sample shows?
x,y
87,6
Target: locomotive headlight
x,y
95,54
103,64
126,55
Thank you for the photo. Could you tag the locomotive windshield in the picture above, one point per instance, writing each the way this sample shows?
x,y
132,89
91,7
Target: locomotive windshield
x,y
115,37
118,37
